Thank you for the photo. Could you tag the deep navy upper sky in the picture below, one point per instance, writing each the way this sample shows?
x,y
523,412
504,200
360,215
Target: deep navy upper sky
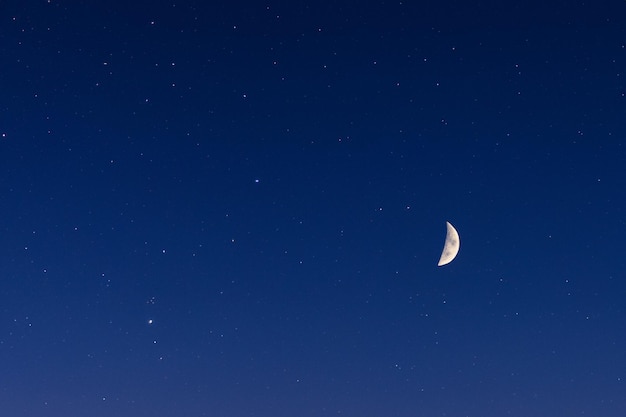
x,y
237,209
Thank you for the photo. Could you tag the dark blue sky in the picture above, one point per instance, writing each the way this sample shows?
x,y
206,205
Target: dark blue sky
x,y
237,209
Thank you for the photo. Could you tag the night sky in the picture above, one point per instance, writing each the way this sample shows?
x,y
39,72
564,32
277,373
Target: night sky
x,y
236,209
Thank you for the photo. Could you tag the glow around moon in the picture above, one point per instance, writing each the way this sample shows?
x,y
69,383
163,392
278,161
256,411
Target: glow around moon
x,y
451,247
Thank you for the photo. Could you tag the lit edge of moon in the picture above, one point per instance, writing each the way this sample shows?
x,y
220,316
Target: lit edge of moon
x,y
451,246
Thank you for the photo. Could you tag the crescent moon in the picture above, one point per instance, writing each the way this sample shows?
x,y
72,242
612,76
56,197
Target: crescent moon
x,y
451,247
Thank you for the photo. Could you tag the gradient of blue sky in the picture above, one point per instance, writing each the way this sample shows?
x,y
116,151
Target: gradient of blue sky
x,y
237,210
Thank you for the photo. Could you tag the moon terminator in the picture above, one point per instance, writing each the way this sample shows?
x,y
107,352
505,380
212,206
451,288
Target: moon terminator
x,y
451,245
